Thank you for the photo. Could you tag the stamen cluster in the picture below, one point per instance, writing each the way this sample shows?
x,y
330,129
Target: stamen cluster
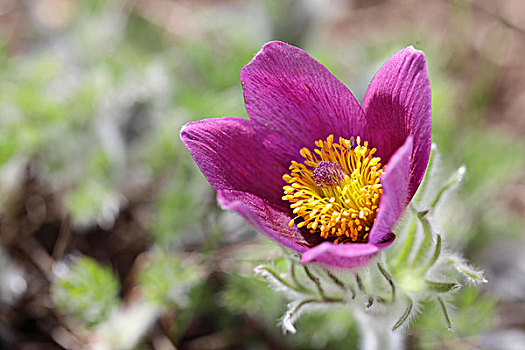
x,y
335,192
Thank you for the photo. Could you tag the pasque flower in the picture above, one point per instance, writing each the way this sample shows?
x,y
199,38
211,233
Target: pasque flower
x,y
312,168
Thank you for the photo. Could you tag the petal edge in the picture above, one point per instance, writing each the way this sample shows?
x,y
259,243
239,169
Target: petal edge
x,y
399,97
294,101
263,217
395,198
224,150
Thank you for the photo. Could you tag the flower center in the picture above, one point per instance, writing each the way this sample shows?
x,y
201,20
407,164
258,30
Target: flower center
x,y
335,191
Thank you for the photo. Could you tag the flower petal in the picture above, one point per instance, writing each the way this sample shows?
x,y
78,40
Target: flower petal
x,y
294,101
341,255
264,218
231,157
395,198
397,104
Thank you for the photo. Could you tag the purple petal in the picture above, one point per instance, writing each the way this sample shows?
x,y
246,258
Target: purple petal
x,y
293,101
394,200
264,218
397,104
231,157
341,255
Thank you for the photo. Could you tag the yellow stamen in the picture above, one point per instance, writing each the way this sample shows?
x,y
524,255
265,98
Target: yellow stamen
x,y
335,191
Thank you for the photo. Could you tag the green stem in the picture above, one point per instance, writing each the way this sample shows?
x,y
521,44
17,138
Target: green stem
x,y
376,333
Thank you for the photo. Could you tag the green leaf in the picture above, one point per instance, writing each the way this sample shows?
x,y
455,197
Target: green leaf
x,y
276,280
467,271
88,291
168,279
444,310
454,179
442,287
91,201
435,255
389,279
404,317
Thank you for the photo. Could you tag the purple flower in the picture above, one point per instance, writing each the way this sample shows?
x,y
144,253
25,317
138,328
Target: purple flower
x,y
308,167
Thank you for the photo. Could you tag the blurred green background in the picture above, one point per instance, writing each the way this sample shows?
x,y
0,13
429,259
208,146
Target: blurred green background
x,y
111,237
